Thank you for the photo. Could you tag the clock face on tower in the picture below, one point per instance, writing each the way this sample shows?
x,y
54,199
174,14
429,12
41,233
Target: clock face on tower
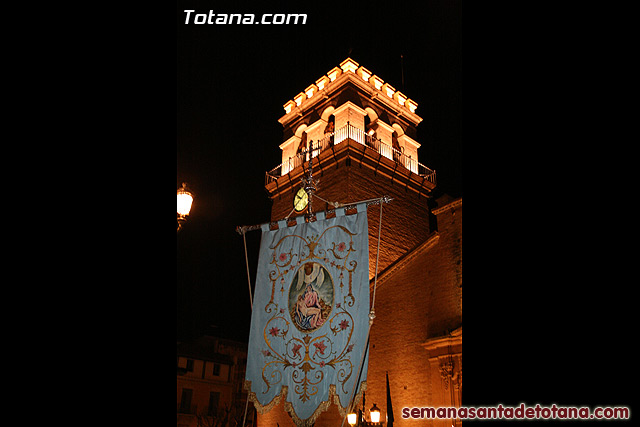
x,y
300,200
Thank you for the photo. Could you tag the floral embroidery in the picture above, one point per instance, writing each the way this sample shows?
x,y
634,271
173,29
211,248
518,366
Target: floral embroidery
x,y
296,349
344,324
274,331
283,257
320,347
341,247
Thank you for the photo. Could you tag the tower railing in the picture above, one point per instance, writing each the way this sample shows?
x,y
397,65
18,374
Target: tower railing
x,y
358,135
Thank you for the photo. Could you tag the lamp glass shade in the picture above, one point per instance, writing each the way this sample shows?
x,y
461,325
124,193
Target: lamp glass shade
x,y
184,202
375,414
352,418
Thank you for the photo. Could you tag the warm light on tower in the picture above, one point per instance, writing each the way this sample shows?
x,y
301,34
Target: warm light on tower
x,y
299,98
399,97
289,106
322,82
388,90
349,65
411,105
350,71
310,91
364,73
334,73
376,82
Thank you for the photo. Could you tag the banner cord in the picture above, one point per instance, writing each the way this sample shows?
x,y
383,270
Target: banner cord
x,y
246,257
372,315
375,281
334,204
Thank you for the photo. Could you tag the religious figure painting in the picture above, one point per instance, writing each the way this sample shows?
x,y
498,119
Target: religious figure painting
x,y
310,297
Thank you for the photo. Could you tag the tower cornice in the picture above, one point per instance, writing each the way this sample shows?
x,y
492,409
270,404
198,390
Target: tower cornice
x,y
370,85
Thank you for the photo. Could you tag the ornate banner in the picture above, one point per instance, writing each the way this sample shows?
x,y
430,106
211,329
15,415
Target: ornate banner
x,y
310,315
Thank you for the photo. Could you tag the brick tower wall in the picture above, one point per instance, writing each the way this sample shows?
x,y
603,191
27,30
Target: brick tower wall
x,y
421,300
405,221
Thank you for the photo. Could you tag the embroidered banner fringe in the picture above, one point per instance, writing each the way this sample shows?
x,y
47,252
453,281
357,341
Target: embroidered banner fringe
x,y
309,422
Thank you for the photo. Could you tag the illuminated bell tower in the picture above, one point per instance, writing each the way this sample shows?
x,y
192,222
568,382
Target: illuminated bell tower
x,y
363,135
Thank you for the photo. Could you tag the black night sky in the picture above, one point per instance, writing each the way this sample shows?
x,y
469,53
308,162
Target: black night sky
x,y
544,291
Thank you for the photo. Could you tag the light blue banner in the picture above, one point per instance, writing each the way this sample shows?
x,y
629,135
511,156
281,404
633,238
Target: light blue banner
x,y
310,315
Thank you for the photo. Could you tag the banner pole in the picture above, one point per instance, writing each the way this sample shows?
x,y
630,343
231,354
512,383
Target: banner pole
x,y
241,229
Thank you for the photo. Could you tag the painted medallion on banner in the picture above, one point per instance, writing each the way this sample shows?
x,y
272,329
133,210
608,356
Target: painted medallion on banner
x,y
310,297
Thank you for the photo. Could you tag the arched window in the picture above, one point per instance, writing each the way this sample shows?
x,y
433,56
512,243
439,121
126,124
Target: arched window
x,y
397,150
330,129
303,143
371,127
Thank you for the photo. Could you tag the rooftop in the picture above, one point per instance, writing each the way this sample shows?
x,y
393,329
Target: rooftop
x,y
349,68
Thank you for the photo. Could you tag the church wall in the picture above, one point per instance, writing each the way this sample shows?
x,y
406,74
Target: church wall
x,y
422,299
446,272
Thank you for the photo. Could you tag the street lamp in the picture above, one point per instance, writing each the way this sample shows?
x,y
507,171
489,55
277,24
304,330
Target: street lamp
x,y
185,199
374,412
352,418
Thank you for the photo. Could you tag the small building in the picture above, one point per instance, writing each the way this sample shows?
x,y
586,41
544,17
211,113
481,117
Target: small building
x,y
210,375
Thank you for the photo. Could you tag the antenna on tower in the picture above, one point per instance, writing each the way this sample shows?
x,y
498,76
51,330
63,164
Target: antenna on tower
x,y
402,70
